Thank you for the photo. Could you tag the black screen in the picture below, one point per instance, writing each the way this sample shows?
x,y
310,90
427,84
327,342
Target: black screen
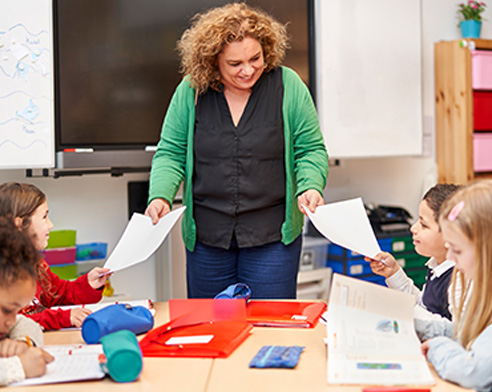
x,y
116,66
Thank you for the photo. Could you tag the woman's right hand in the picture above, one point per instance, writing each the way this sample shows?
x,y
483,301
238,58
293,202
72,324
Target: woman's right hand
x,y
383,264
157,209
34,361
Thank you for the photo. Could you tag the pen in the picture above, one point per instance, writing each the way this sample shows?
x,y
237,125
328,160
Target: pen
x,y
28,341
79,150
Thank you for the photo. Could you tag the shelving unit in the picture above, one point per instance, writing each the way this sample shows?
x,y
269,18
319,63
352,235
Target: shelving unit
x,y
454,109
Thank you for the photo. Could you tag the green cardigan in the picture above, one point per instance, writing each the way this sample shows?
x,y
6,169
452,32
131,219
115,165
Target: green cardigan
x,y
306,159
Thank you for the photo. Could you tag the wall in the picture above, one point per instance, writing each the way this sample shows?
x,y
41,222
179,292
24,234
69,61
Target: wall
x,y
97,205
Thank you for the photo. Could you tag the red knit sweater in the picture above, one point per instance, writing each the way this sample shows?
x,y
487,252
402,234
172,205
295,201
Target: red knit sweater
x,y
63,292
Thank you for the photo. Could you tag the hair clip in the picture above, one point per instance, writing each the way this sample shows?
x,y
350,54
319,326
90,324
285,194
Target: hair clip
x,y
453,214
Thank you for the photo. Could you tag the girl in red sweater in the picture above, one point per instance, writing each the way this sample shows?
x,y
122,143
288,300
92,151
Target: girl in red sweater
x,y
27,206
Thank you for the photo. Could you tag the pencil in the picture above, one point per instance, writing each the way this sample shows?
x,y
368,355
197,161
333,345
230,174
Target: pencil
x,y
28,341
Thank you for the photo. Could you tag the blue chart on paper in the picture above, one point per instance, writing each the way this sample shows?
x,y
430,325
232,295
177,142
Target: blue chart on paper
x,y
26,84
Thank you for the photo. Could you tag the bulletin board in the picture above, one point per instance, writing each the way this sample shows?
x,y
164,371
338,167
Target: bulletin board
x,y
369,83
26,84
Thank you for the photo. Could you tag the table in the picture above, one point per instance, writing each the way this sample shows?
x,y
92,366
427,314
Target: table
x,y
225,374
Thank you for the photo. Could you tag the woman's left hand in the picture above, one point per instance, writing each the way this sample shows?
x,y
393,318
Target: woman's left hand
x,y
311,199
97,277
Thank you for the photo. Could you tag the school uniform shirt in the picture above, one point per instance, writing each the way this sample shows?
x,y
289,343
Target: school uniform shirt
x,y
452,362
435,295
63,292
11,369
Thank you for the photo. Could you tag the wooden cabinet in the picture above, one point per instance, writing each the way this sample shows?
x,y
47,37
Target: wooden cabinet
x,y
454,109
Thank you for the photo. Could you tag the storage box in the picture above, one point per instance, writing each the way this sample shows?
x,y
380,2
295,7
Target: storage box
x,y
65,271
61,239
313,253
482,110
418,276
355,267
94,250
378,279
411,260
481,69
336,252
482,152
396,244
60,255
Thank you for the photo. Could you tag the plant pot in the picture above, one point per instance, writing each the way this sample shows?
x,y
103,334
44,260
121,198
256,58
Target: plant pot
x,y
470,28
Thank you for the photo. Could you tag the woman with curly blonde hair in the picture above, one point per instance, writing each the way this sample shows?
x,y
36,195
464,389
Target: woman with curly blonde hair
x,y
242,134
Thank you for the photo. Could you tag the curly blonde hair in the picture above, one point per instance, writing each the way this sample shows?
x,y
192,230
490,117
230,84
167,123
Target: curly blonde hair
x,y
210,31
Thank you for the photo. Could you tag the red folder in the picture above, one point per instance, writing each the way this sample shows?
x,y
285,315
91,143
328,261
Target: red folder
x,y
284,313
224,319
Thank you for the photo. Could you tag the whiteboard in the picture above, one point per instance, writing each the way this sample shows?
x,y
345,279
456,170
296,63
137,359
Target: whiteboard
x,y
26,84
368,59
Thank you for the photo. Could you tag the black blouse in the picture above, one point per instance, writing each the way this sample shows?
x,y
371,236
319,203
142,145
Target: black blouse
x,y
239,172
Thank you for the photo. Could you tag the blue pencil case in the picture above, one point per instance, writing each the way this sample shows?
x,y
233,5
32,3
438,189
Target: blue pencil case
x,y
113,318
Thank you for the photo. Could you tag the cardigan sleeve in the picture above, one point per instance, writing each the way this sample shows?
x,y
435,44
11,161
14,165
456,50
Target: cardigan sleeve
x,y
169,162
310,155
11,370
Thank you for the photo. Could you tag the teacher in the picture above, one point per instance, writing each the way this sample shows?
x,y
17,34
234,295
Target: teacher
x,y
243,135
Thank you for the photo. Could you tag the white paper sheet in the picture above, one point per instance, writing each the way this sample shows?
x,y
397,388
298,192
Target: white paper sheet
x,y
345,223
141,239
72,363
371,336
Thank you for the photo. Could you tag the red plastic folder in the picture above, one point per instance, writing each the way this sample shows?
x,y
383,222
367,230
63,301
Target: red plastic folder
x,y
220,324
284,313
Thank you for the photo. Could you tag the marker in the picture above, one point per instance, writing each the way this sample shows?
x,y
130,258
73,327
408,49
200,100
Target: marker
x,y
150,148
79,150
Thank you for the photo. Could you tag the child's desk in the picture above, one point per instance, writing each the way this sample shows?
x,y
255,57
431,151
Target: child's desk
x,y
191,374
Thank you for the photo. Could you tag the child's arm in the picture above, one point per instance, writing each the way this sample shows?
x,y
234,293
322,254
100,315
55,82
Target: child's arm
x,y
469,368
32,363
26,327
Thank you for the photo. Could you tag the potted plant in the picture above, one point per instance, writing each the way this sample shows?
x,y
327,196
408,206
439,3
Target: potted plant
x,y
470,18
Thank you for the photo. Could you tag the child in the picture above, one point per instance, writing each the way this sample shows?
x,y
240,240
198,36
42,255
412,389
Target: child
x,y
18,263
462,352
428,241
27,205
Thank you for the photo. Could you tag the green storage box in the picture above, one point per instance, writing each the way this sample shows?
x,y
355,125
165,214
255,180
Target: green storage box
x,y
65,271
418,276
62,239
410,260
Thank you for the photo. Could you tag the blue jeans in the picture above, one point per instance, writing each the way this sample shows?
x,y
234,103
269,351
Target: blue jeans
x,y
270,270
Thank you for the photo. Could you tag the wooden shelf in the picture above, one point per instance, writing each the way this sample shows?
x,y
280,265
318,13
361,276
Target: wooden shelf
x,y
454,109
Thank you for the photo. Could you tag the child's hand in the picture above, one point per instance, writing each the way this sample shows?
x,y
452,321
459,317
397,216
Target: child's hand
x,y
78,315
11,347
34,361
95,279
383,264
425,348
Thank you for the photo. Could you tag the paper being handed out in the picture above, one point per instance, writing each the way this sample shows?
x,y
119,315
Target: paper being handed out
x,y
141,239
345,223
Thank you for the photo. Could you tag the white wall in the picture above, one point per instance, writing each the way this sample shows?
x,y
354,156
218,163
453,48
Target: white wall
x,y
402,181
96,205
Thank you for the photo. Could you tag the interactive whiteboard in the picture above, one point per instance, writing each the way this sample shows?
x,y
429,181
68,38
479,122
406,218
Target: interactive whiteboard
x,y
26,84
369,77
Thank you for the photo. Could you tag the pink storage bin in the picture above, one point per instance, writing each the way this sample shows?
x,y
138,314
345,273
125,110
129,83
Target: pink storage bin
x,y
482,152
481,69
55,256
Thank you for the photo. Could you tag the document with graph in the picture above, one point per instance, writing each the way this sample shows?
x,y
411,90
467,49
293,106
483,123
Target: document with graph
x,y
371,337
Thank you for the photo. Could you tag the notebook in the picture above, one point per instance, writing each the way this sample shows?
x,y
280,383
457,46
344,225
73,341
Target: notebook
x,y
284,313
72,363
